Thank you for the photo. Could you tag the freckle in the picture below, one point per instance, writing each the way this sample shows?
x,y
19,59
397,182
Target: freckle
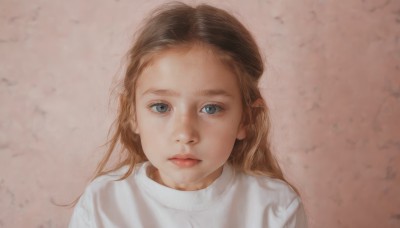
x,y
390,173
395,216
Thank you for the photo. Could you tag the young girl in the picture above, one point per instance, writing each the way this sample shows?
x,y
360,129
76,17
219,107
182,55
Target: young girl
x,y
192,131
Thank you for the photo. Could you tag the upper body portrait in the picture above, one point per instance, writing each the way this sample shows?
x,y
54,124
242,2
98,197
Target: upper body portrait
x,y
192,133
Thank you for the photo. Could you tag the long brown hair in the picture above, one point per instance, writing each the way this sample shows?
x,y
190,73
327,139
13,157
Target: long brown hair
x,y
177,24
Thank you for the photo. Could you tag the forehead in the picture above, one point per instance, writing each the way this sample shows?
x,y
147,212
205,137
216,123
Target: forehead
x,y
188,69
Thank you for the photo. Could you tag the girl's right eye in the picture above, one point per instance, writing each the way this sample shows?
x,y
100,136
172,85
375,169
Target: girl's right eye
x,y
159,107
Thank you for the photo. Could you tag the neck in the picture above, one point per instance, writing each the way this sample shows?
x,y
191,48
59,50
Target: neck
x,y
154,174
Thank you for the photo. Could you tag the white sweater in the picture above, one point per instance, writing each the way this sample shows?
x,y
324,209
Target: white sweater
x,y
233,200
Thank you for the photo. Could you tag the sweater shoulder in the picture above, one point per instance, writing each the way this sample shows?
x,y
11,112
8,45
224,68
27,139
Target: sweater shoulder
x,y
110,182
271,189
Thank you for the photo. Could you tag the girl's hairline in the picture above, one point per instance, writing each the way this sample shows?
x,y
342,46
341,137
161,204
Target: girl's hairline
x,y
147,59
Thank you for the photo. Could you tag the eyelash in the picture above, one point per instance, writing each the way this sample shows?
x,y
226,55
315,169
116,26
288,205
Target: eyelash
x,y
153,108
218,108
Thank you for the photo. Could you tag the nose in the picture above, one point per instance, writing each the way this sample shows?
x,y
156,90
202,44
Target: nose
x,y
185,129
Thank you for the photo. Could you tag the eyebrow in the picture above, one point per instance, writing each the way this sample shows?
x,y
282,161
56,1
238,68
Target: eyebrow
x,y
215,92
160,92
207,92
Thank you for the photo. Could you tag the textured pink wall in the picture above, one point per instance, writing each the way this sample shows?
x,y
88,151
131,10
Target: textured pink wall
x,y
332,83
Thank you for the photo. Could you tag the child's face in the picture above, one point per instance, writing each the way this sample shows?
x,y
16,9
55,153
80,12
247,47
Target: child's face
x,y
188,116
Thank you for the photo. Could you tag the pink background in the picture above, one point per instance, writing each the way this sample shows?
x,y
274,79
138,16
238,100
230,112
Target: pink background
x,y
332,84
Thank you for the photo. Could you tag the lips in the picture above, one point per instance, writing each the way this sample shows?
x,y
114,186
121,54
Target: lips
x,y
184,160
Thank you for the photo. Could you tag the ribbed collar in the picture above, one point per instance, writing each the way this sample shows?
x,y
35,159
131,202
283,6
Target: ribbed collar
x,y
185,200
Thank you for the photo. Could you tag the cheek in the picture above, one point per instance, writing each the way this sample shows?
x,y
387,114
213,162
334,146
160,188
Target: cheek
x,y
150,133
153,131
146,123
146,129
220,139
226,129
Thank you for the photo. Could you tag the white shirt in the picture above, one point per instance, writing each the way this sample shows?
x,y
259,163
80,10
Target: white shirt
x,y
233,200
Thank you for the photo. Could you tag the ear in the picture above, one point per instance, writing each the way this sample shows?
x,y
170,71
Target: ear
x,y
259,103
134,125
241,133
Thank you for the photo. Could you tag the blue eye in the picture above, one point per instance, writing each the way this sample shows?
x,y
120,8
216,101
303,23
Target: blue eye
x,y
211,109
159,107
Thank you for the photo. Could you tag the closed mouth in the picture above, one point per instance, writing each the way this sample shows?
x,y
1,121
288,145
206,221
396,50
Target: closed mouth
x,y
184,160
184,157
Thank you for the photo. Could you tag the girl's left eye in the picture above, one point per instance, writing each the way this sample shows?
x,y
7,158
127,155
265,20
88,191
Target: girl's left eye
x,y
211,109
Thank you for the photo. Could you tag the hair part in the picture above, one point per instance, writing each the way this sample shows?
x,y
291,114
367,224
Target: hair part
x,y
176,24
